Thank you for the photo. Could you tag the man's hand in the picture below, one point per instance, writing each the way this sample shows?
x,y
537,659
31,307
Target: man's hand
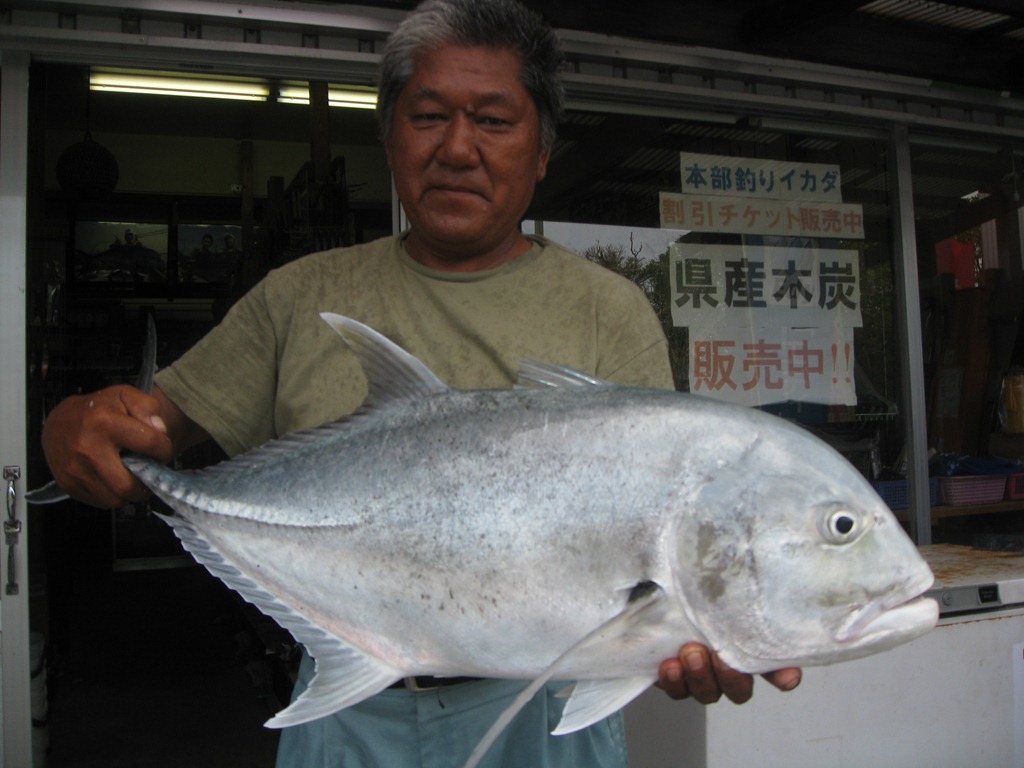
x,y
84,435
699,673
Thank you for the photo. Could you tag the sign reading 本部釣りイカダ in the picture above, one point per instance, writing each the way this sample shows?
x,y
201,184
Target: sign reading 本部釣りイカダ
x,y
752,177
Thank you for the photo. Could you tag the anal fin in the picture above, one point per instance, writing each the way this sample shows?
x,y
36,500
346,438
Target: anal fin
x,y
593,700
345,675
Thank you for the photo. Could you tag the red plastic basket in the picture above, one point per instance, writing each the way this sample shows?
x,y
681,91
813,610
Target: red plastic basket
x,y
972,489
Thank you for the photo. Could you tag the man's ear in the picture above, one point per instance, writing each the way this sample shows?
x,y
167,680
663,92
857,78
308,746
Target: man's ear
x,y
542,163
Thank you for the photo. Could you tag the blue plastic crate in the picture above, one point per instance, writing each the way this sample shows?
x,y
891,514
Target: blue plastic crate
x,y
894,492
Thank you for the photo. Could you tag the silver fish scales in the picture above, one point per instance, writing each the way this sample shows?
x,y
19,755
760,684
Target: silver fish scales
x,y
575,529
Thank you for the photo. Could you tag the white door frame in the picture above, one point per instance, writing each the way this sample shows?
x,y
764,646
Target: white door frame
x,y
16,709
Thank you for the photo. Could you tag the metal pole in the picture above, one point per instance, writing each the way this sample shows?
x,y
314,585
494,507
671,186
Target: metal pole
x,y
910,349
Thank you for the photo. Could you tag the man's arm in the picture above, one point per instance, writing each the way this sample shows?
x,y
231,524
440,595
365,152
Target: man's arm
x,y
83,438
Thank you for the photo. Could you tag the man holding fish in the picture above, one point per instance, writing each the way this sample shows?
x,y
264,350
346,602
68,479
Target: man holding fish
x,y
469,102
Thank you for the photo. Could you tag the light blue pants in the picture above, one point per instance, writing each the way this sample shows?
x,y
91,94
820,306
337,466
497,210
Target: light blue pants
x,y
398,728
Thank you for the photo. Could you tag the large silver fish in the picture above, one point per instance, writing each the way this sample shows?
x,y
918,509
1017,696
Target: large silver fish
x,y
578,530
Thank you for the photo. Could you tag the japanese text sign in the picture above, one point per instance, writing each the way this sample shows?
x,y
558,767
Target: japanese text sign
x,y
751,177
759,286
760,366
761,216
768,323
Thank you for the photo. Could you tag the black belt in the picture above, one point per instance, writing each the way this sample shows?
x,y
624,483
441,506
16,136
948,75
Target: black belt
x,y
428,683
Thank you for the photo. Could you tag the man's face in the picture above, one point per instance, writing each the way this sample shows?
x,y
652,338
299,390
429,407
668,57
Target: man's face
x,y
465,152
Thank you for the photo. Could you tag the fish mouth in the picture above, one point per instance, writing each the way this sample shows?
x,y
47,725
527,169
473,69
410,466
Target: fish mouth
x,y
907,612
872,622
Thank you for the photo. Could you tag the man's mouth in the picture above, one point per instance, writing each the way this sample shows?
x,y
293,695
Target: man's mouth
x,y
456,190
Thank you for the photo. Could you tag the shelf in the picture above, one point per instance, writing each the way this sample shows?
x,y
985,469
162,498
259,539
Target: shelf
x,y
943,511
977,509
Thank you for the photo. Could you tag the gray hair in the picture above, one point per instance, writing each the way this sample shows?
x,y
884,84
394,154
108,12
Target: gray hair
x,y
491,23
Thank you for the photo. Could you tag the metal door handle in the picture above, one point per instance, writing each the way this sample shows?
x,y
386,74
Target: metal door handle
x,y
12,529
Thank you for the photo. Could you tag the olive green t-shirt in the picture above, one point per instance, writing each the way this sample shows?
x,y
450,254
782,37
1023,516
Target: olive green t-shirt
x,y
274,366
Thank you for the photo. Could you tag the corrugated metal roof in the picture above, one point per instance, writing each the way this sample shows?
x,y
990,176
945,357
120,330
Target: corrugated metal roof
x,y
929,12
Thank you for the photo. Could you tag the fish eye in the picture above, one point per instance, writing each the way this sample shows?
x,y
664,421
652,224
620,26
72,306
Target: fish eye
x,y
840,525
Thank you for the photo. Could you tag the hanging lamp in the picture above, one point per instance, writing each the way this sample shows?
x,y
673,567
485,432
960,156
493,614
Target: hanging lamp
x,y
87,168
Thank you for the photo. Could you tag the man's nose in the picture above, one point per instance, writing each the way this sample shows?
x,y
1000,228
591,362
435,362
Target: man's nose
x,y
458,145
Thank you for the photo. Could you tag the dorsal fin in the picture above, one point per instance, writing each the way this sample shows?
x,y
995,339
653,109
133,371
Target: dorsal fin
x,y
147,370
392,373
537,373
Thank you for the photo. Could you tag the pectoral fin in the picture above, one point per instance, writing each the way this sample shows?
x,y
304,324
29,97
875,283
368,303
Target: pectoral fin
x,y
642,597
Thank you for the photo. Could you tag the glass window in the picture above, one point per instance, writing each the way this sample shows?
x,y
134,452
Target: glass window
x,y
773,275
968,226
